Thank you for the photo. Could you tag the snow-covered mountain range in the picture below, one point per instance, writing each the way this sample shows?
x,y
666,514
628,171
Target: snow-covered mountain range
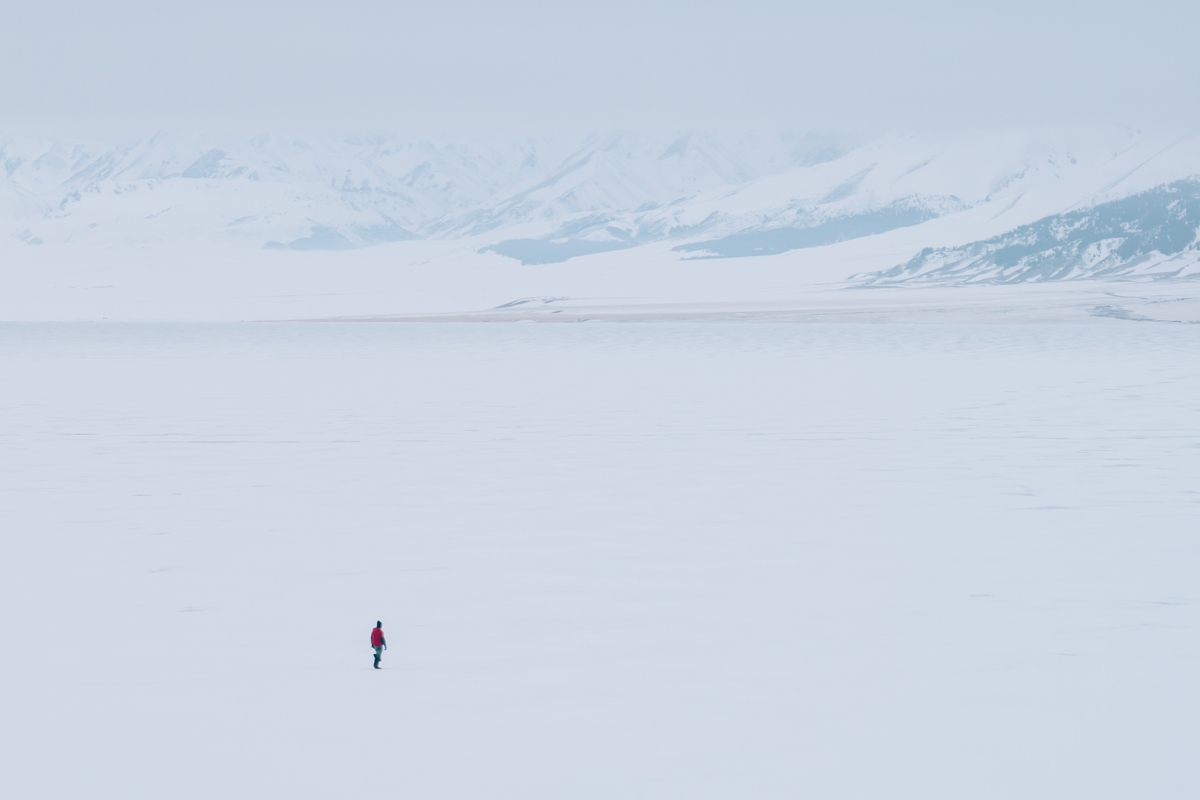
x,y
321,194
1063,204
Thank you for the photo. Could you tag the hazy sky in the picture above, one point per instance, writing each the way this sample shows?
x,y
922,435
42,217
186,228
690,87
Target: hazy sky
x,y
461,65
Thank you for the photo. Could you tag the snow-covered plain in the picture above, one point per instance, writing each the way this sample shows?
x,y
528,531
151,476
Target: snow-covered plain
x,y
651,560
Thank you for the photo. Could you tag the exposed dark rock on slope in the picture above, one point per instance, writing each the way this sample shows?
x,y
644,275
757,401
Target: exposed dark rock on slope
x,y
1148,235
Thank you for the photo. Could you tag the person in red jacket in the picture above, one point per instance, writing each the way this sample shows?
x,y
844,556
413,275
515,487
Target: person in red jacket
x,y
378,642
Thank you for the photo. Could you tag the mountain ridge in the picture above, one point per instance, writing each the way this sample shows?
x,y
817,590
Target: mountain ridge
x,y
546,200
1153,234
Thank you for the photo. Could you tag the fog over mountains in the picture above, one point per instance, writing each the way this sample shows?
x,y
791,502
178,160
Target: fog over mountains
x,y
1073,203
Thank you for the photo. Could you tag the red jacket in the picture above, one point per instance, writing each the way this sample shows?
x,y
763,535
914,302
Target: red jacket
x,y
377,637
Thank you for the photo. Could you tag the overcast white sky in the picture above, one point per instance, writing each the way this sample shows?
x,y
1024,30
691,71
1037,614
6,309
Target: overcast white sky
x,y
467,66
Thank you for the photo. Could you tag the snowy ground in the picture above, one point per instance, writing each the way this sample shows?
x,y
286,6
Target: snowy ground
x,y
440,280
613,561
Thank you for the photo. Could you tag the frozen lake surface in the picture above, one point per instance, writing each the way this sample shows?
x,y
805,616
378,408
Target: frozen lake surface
x,y
612,561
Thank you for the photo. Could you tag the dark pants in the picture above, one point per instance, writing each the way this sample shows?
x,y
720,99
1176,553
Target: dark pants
x,y
378,655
